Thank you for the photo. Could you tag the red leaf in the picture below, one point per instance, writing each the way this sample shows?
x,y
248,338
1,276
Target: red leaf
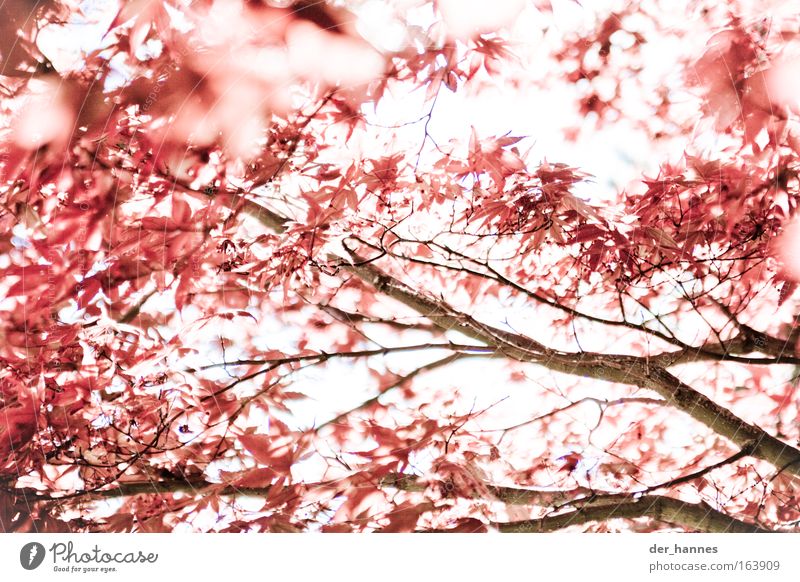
x,y
258,477
404,518
258,446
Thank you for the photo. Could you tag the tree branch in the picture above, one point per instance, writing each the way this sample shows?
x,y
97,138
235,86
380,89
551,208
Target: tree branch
x,y
624,369
593,506
748,341
325,356
694,516
352,318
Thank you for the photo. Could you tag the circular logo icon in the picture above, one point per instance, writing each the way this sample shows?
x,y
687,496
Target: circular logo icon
x,y
31,555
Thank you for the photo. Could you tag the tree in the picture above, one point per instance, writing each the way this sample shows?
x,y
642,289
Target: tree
x,y
250,282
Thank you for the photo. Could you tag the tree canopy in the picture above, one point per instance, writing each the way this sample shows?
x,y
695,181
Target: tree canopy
x,y
421,265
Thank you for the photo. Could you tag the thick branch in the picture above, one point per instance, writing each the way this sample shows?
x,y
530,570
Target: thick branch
x,y
593,507
200,486
189,486
612,368
623,369
694,516
596,506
